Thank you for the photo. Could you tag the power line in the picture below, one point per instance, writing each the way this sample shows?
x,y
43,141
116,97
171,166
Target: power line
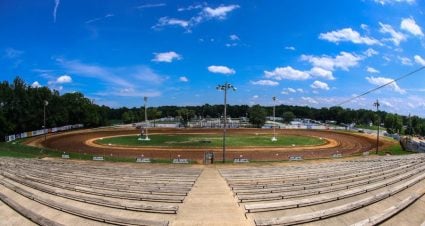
x,y
379,87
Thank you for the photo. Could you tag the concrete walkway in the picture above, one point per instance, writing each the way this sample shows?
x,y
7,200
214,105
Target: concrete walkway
x,y
210,202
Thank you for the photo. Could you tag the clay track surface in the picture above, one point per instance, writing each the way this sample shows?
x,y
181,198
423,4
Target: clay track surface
x,y
338,142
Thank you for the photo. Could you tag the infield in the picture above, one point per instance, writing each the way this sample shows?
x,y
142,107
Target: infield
x,y
213,140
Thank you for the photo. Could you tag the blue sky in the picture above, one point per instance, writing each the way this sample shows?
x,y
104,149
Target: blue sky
x,y
315,53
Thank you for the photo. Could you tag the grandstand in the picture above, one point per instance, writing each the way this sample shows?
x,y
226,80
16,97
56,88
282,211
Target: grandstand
x,y
54,192
362,192
357,191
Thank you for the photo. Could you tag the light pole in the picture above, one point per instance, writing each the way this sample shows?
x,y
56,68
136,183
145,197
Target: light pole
x,y
146,118
44,113
225,87
376,104
274,119
146,122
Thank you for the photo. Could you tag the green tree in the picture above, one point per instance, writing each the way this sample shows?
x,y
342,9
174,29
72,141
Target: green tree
x,y
129,117
288,116
185,115
22,108
393,123
257,115
154,114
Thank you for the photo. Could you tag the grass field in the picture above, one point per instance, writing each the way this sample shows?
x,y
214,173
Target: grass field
x,y
394,150
197,140
18,150
373,127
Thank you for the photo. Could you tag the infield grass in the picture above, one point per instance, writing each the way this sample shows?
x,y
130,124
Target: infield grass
x,y
202,140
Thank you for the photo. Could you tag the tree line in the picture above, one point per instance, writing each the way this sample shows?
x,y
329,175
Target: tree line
x,y
256,114
21,109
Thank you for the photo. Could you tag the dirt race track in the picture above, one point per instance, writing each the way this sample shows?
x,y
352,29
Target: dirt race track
x,y
338,142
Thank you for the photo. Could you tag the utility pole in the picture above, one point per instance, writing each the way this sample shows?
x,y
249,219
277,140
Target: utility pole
x,y
410,126
376,104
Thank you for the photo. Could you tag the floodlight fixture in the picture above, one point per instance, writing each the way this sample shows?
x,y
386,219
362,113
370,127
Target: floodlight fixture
x,y
274,139
225,87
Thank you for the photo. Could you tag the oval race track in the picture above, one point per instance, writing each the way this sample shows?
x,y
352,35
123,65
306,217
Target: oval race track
x,y
343,143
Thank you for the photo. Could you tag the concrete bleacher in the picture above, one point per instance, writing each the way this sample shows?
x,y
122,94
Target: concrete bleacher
x,y
36,218
388,213
75,189
310,193
316,189
308,217
362,191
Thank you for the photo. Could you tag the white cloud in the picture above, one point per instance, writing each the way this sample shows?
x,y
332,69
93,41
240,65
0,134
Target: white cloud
x,y
12,53
320,72
141,73
343,61
292,90
364,27
35,84
290,48
288,72
348,35
131,92
409,24
99,18
191,7
320,85
221,70
234,37
386,58
165,21
207,13
255,97
151,5
219,12
64,79
372,70
370,52
115,79
166,57
55,10
183,79
231,44
379,81
309,100
396,37
387,104
383,2
405,60
265,83
419,60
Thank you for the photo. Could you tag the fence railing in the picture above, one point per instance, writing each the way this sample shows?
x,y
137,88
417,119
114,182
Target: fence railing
x,y
41,132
